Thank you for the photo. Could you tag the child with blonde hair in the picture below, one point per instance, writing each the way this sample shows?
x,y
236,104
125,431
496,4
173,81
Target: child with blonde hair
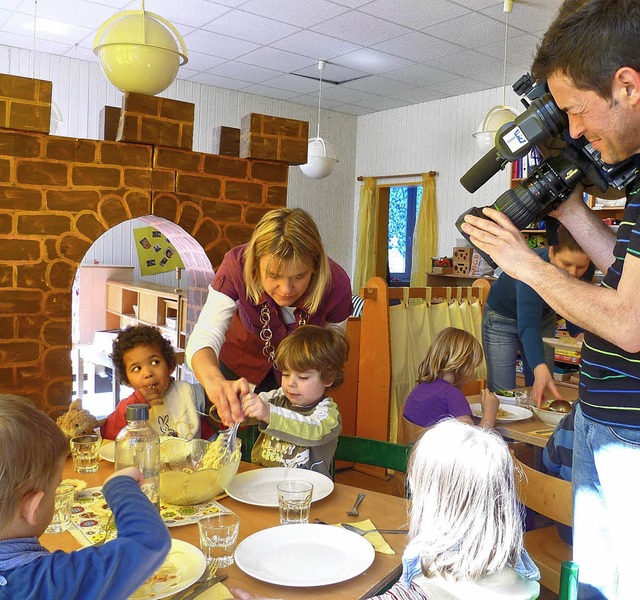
x,y
33,451
299,424
451,360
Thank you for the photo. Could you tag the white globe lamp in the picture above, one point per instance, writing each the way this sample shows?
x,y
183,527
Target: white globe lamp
x,y
496,117
140,51
321,157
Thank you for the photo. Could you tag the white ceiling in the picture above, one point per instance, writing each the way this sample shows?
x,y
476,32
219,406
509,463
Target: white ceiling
x,y
405,51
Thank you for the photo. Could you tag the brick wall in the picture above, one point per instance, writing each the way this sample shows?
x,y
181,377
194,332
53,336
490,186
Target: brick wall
x,y
58,195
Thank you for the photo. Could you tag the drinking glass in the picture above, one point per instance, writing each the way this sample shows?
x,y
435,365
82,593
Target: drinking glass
x,y
85,451
294,501
218,537
62,514
523,398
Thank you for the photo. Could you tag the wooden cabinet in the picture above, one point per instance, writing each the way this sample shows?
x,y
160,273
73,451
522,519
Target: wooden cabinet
x,y
130,303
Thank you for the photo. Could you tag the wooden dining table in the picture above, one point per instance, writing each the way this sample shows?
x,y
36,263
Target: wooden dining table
x,y
527,430
385,511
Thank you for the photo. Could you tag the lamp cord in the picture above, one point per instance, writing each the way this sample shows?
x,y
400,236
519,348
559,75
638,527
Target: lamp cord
x,y
321,67
33,53
504,62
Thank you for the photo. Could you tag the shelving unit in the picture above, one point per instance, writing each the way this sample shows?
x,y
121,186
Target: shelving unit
x,y
131,303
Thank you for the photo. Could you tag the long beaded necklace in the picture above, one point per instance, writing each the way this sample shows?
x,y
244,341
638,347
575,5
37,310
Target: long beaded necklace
x,y
266,334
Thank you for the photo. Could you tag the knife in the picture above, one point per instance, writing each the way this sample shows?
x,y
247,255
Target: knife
x,y
201,587
363,532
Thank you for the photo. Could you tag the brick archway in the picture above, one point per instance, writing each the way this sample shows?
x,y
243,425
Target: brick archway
x,y
58,195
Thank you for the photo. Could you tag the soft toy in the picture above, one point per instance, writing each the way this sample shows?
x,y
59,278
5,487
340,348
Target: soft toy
x,y
77,420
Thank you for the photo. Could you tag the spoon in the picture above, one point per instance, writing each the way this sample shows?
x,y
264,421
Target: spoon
x,y
560,406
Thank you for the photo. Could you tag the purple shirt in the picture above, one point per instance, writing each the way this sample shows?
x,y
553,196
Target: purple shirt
x,y
429,403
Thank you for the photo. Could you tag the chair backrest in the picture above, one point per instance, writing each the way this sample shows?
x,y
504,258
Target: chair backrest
x,y
474,387
547,495
373,452
408,432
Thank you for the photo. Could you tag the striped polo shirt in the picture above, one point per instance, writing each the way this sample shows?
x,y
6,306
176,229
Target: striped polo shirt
x,y
609,376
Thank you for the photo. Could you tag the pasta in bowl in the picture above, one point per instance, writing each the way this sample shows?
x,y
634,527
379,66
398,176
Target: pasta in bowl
x,y
193,472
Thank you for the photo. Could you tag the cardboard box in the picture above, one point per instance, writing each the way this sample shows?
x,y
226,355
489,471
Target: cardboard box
x,y
461,268
442,270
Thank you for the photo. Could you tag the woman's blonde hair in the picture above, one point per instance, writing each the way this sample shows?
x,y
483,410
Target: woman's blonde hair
x,y
288,235
323,349
453,352
465,518
31,445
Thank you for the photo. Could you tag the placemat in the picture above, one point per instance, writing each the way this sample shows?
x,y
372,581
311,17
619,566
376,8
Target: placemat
x,y
90,516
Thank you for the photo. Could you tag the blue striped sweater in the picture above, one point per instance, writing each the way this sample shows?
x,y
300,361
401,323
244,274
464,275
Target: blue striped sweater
x,y
609,376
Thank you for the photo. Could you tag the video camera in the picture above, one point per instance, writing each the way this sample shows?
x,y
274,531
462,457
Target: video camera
x,y
555,177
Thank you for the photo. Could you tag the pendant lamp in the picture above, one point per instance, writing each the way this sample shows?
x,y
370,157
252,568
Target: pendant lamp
x,y
140,51
498,115
321,157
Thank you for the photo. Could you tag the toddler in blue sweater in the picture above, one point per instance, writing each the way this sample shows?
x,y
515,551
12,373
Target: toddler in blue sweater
x,y
33,451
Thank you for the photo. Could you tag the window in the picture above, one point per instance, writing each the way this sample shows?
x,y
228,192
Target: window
x,y
404,203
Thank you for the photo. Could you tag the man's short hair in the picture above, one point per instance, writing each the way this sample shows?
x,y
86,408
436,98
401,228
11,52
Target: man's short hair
x,y
588,41
31,444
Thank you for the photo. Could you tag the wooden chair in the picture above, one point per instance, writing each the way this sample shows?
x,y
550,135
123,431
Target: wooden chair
x,y
474,387
551,497
408,432
376,453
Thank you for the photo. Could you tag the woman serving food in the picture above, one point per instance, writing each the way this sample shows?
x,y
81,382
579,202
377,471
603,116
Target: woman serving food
x,y
263,290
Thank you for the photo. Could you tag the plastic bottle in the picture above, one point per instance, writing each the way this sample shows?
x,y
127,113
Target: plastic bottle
x,y
137,445
568,581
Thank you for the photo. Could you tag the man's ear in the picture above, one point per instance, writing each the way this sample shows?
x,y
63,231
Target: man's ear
x,y
627,82
29,507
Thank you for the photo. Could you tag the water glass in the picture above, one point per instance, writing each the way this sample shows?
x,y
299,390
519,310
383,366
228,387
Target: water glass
x,y
85,451
62,514
294,501
218,537
523,398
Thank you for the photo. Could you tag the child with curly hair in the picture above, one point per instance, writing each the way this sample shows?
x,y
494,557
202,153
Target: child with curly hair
x,y
144,360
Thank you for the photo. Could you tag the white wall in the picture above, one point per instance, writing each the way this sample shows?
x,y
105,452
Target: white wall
x,y
433,136
80,90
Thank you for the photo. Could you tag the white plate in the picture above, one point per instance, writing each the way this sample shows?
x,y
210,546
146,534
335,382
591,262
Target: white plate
x,y
184,565
108,451
259,487
516,413
283,555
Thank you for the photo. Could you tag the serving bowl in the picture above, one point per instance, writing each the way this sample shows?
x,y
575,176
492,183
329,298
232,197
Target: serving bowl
x,y
506,396
183,481
548,417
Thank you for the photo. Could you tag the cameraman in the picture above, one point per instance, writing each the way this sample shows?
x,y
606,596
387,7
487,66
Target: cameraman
x,y
590,57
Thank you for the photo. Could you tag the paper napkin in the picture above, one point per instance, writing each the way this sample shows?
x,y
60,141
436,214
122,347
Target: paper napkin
x,y
374,538
217,592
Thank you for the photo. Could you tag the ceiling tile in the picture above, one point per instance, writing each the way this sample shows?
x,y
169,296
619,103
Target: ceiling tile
x,y
380,103
46,29
332,72
378,85
352,110
311,100
527,16
203,62
301,85
372,61
417,46
419,95
250,73
315,45
340,93
478,30
194,13
81,13
520,50
360,28
415,14
247,26
302,13
269,92
215,44
462,85
286,62
217,81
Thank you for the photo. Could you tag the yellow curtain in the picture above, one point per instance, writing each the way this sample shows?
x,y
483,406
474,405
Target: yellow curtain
x,y
425,234
366,249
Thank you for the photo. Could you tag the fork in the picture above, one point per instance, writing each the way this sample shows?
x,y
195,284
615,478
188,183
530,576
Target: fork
x,y
353,512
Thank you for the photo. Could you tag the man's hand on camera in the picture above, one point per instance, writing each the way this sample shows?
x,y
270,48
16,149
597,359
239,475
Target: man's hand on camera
x,y
499,238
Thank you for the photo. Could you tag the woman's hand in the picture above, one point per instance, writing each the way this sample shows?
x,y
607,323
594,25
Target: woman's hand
x,y
226,396
543,381
256,407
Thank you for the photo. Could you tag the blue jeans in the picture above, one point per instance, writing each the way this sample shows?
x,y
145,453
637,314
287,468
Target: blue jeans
x,y
501,344
606,503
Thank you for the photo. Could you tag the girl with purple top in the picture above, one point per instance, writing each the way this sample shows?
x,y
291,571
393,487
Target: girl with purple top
x,y
451,360
263,291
